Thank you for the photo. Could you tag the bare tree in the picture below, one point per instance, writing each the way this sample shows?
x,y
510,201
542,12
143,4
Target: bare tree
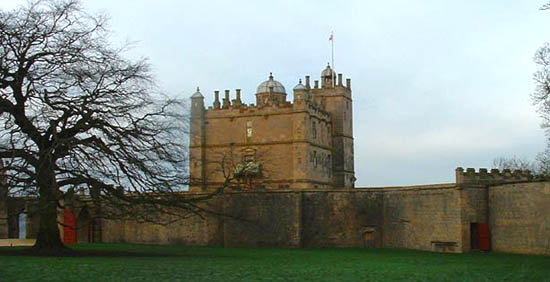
x,y
541,98
75,116
243,169
514,163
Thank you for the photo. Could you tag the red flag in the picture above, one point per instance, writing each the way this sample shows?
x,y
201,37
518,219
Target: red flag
x,y
331,37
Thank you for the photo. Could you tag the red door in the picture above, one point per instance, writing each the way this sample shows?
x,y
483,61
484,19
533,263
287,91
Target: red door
x,y
484,239
69,230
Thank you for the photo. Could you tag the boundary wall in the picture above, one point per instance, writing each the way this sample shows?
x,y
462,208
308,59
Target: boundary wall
x,y
441,217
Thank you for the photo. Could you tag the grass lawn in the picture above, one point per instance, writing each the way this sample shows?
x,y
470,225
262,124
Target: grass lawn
x,y
175,263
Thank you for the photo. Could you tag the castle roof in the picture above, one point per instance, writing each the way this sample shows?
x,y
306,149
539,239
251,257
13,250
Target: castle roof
x,y
197,94
300,86
327,72
277,86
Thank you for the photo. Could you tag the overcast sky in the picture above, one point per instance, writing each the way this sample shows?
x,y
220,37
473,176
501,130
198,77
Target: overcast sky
x,y
436,84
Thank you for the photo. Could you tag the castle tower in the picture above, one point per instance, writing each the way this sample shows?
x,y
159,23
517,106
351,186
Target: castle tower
x,y
303,144
197,142
336,99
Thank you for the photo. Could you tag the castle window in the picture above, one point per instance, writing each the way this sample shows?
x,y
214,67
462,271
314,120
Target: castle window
x,y
313,129
314,159
249,129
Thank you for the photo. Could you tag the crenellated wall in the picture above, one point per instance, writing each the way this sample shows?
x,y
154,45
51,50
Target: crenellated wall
x,y
483,177
427,217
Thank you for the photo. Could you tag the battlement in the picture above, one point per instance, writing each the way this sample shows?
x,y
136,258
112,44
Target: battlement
x,y
237,103
235,107
470,176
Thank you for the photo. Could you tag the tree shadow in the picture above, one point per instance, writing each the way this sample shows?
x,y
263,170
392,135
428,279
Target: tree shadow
x,y
69,252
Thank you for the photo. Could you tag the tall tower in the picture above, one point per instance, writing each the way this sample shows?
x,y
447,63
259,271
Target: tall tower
x,y
197,142
336,98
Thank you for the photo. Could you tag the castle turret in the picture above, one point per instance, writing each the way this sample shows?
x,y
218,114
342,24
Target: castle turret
x,y
197,140
328,77
270,90
300,92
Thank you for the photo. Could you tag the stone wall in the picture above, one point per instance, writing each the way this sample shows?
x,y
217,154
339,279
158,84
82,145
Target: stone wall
x,y
419,217
3,215
423,218
262,219
519,218
473,200
195,230
429,217
3,203
343,218
16,206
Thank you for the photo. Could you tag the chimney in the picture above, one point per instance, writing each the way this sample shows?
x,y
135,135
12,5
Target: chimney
x,y
216,99
226,101
238,95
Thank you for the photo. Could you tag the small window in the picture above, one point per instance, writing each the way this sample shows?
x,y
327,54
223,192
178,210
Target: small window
x,y
249,129
315,159
313,129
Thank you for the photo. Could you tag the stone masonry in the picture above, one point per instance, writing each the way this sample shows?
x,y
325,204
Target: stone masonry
x,y
278,144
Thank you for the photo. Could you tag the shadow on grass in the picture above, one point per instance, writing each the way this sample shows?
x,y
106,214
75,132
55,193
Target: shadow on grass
x,y
69,252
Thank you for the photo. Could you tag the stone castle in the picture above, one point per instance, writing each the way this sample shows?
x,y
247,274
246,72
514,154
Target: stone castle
x,y
293,163
299,145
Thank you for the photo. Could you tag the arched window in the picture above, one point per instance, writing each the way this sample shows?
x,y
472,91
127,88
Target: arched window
x,y
22,225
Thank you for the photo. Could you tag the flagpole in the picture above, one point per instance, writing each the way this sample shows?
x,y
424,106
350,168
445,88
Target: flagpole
x,y
333,74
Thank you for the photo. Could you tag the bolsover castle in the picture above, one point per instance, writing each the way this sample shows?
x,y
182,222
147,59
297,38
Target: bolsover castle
x,y
292,163
276,144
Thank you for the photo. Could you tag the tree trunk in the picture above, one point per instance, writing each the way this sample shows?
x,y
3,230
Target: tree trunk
x,y
48,239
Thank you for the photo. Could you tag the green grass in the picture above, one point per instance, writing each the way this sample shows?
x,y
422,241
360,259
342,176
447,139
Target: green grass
x,y
175,263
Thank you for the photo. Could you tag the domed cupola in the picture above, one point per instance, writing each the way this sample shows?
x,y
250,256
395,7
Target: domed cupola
x,y
300,92
265,86
270,91
327,76
299,86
